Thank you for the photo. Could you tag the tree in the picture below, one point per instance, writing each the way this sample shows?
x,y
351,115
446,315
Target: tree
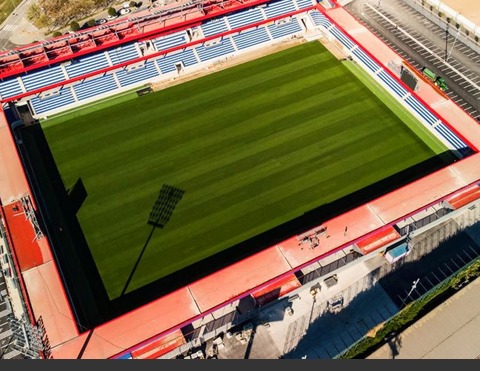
x,y
33,12
55,11
74,26
57,33
35,15
101,3
91,22
132,4
112,12
53,14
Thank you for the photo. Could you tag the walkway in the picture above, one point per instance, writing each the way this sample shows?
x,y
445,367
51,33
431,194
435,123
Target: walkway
x,y
439,333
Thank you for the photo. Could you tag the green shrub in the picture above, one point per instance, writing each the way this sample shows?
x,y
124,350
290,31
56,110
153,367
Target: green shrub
x,y
412,312
74,26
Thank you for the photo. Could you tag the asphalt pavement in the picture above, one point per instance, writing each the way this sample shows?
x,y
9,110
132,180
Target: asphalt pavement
x,y
424,43
450,331
18,30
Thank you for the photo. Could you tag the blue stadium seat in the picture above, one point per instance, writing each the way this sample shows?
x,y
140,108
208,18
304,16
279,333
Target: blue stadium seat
x,y
244,17
94,87
84,65
10,87
43,77
284,29
250,38
141,74
224,47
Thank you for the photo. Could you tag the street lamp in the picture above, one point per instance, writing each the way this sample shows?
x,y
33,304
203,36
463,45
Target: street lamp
x,y
414,286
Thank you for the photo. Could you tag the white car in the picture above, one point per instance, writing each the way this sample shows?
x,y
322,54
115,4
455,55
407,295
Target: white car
x,y
124,11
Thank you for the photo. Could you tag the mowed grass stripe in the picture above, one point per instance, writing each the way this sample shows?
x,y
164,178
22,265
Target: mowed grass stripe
x,y
252,146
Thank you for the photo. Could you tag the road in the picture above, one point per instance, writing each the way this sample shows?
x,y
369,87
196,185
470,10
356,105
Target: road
x,y
17,29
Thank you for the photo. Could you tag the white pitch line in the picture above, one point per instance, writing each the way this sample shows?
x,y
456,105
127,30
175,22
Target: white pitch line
x,y
424,47
9,27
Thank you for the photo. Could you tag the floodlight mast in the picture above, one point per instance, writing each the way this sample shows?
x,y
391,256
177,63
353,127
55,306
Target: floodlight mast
x,y
414,286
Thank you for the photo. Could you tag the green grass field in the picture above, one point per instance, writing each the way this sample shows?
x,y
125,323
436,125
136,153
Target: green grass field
x,y
252,147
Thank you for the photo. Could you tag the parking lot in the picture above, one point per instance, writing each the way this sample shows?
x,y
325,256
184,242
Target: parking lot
x,y
423,43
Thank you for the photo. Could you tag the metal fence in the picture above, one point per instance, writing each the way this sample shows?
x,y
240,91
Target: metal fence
x,y
424,286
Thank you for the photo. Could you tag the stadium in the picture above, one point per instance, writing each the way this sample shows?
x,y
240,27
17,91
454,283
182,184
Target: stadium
x,y
164,174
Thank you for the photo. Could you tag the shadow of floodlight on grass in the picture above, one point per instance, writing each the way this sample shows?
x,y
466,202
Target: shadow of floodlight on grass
x,y
161,213
163,208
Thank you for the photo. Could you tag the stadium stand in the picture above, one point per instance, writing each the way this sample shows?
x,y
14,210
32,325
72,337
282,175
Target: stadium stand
x,y
10,87
186,57
302,4
249,38
95,86
167,63
378,239
464,198
282,29
277,8
64,97
214,27
220,48
123,53
244,18
43,77
86,64
447,135
170,41
144,72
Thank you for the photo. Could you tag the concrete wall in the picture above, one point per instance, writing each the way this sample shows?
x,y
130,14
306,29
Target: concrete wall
x,y
458,26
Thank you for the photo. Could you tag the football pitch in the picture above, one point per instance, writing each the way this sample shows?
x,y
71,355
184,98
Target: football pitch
x,y
245,149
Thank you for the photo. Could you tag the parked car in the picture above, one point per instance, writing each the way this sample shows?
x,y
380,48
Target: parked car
x,y
101,21
124,11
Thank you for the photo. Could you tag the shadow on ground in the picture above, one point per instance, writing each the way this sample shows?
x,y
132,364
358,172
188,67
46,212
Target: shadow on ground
x,y
84,285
